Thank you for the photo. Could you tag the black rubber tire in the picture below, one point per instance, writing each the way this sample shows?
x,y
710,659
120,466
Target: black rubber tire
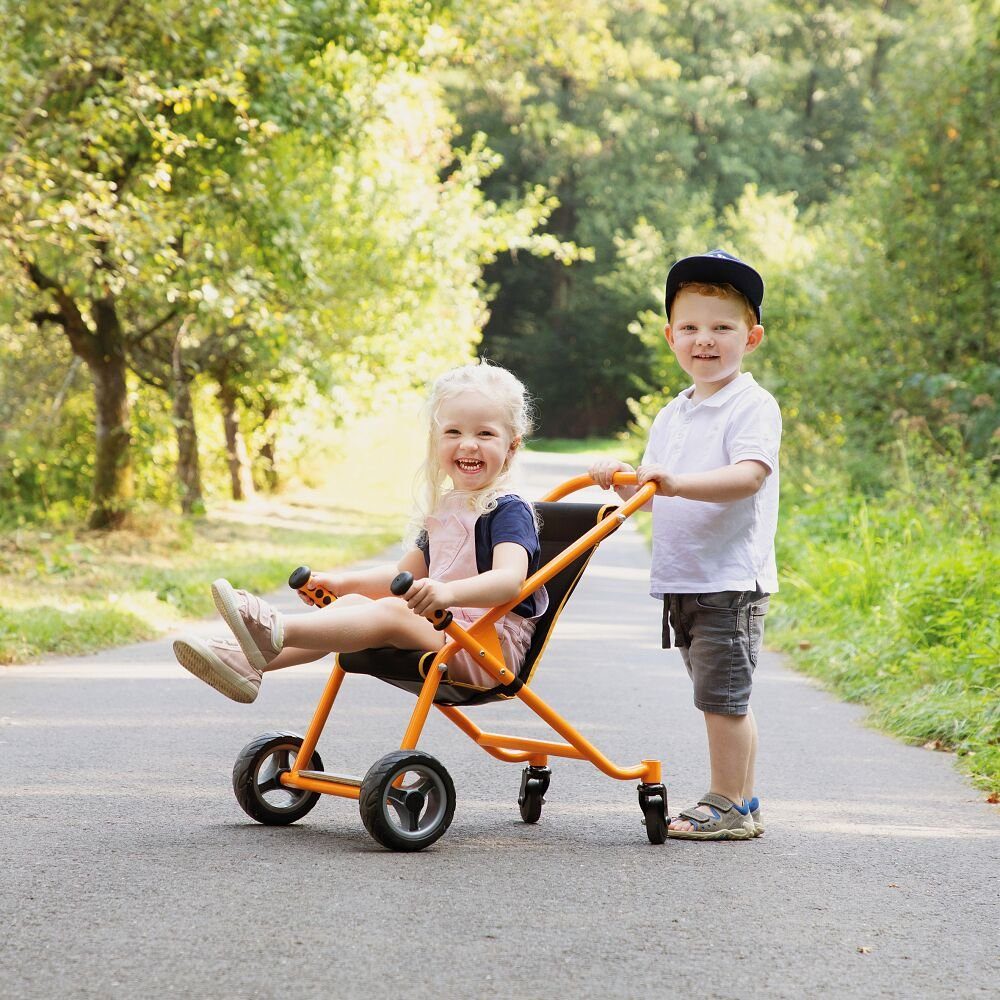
x,y
656,820
531,802
429,805
255,779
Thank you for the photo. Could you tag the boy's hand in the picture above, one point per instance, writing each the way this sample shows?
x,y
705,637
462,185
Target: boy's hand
x,y
603,471
666,484
427,596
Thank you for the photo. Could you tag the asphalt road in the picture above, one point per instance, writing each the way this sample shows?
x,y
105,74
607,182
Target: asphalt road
x,y
128,870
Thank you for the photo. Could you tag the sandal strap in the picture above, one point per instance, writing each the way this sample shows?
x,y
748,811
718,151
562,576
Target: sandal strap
x,y
718,801
696,815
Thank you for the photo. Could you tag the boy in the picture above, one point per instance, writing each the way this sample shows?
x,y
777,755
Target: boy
x,y
713,453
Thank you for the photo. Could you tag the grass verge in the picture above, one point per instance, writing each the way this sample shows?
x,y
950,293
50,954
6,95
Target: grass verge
x,y
892,603
74,591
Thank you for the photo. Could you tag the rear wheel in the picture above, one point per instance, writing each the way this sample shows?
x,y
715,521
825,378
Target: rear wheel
x,y
257,779
531,798
653,802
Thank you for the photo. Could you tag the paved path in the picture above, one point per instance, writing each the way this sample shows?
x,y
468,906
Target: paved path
x,y
127,869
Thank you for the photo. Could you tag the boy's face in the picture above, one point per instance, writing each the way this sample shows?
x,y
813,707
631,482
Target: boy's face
x,y
709,337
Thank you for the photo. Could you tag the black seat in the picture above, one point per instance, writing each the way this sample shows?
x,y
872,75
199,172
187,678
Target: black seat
x,y
561,525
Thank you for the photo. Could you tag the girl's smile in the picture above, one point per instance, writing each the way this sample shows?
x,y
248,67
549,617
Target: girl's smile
x,y
473,444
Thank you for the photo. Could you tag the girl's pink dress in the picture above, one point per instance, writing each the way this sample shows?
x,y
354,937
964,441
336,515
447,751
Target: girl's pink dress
x,y
452,537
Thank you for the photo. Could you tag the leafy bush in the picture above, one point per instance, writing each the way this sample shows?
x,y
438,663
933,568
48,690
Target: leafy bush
x,y
892,600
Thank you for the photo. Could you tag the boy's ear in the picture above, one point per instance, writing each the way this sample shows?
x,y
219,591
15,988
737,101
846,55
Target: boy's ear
x,y
754,337
669,334
514,445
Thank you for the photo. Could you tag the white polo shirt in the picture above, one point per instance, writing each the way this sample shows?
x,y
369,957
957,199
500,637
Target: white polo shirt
x,y
700,547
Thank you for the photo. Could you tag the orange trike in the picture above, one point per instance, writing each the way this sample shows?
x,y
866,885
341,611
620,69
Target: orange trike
x,y
407,798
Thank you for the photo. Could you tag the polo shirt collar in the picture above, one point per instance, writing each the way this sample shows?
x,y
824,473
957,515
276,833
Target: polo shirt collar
x,y
741,383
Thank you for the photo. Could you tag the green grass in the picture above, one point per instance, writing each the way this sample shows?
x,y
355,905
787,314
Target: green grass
x,y
79,591
75,591
893,604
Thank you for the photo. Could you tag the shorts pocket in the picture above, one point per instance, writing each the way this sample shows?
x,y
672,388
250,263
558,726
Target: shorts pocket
x,y
756,628
723,600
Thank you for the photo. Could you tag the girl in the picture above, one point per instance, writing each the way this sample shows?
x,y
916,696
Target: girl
x,y
477,543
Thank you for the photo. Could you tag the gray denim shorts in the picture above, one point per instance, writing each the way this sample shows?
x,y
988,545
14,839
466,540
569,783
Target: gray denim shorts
x,y
719,637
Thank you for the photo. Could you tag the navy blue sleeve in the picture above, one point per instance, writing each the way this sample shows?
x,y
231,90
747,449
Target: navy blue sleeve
x,y
513,522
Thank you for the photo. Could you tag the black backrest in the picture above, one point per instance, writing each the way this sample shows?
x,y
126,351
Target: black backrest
x,y
561,525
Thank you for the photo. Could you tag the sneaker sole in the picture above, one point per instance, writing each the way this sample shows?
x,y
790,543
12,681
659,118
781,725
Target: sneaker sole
x,y
214,672
741,834
227,606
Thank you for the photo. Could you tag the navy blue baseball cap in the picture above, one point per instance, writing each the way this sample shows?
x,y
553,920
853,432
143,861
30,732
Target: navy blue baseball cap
x,y
716,267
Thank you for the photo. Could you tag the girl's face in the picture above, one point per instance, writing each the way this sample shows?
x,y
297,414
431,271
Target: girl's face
x,y
473,441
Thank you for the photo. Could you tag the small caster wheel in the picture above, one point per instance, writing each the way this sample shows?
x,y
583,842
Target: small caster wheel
x,y
257,779
407,800
531,798
653,802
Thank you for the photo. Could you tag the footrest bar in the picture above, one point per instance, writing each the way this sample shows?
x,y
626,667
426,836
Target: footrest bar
x,y
338,779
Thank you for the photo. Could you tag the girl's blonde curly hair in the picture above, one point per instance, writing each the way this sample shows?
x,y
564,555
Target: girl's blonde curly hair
x,y
514,410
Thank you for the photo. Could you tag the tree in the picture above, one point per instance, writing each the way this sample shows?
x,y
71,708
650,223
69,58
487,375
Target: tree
x,y
124,127
638,117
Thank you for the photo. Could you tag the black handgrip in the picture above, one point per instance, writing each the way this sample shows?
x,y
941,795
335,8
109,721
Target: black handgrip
x,y
299,577
401,584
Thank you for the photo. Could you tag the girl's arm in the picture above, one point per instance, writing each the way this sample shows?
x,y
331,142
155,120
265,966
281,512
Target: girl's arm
x,y
496,586
373,583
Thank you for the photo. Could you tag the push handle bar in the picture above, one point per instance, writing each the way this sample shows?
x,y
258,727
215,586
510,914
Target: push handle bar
x,y
582,482
402,583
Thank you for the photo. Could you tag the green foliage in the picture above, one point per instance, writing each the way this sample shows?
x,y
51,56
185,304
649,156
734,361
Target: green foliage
x,y
647,122
251,194
889,602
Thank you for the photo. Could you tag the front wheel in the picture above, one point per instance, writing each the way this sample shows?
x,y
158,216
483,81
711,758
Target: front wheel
x,y
257,779
407,800
653,802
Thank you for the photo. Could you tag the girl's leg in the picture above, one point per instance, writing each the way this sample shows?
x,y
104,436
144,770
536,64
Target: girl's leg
x,y
355,623
290,657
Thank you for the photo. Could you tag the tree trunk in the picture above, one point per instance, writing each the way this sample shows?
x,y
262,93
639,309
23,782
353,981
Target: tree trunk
x,y
188,465
236,449
102,348
268,450
113,484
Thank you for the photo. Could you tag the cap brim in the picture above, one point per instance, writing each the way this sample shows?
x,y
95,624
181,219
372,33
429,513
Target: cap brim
x,y
716,271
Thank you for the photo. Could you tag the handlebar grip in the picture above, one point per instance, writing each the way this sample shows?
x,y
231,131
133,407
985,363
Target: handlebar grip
x,y
317,597
402,583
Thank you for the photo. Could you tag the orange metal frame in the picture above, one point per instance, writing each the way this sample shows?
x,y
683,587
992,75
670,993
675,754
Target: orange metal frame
x,y
481,641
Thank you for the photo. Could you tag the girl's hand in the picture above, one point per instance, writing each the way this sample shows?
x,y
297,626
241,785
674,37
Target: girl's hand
x,y
427,596
666,484
327,581
602,471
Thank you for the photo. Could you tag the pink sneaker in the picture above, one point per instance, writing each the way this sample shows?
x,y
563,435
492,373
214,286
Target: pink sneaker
x,y
256,625
221,663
